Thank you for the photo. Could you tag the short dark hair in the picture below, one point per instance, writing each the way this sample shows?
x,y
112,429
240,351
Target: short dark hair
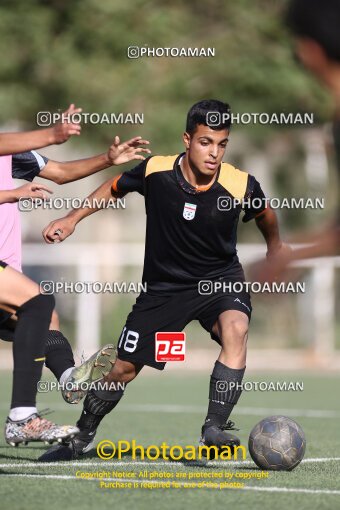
x,y
198,114
318,20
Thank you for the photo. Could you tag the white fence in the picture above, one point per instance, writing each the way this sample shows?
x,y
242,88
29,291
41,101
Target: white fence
x,y
88,258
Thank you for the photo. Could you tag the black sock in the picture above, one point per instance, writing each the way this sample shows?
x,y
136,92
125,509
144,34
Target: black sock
x,y
97,404
224,393
30,334
7,329
58,351
59,355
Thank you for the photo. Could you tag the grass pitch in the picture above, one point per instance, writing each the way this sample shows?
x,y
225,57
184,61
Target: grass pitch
x,y
170,407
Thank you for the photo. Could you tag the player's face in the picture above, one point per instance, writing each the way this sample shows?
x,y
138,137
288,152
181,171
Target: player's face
x,y
206,149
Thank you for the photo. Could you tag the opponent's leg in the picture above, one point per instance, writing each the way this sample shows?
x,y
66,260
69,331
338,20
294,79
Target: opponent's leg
x,y
59,359
29,337
226,378
34,312
76,380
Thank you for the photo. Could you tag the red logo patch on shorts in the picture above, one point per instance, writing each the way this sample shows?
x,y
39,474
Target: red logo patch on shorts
x,y
170,346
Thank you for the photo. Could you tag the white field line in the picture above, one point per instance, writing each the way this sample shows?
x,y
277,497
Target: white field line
x,y
169,408
255,411
182,484
103,464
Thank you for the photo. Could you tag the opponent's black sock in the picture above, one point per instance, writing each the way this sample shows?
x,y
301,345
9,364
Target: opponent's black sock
x,y
58,351
59,355
7,329
97,404
225,390
30,334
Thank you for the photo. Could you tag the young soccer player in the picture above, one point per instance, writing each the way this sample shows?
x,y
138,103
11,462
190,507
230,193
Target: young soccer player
x,y
190,236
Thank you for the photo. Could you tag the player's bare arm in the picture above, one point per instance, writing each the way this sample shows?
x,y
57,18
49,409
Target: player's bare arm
x,y
279,254
117,154
14,143
318,243
268,225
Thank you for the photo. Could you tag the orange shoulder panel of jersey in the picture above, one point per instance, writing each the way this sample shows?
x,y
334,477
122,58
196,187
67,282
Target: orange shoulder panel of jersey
x,y
160,164
114,183
233,180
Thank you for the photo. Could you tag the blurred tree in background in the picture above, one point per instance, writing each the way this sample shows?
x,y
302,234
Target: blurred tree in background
x,y
60,51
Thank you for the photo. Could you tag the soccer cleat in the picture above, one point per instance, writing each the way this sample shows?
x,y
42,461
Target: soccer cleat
x,y
93,370
36,428
71,450
217,436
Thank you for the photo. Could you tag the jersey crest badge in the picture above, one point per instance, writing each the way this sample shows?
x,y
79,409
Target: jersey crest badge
x,y
189,211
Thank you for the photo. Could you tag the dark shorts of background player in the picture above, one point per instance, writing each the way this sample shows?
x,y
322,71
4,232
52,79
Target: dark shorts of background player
x,y
4,315
2,265
165,310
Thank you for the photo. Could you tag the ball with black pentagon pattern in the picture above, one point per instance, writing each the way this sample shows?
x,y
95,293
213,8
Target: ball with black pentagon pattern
x,y
277,443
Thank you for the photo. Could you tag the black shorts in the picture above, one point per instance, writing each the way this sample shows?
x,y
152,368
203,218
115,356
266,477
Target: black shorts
x,y
4,315
172,310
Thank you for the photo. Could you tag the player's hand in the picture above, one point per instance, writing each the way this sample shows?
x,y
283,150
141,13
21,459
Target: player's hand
x,y
274,267
58,230
282,253
31,191
62,131
120,153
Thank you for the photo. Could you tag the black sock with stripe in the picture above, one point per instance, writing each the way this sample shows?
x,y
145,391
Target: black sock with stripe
x,y
30,335
225,390
59,355
97,404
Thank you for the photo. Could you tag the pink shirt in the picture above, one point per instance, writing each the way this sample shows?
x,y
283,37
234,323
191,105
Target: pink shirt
x,y
10,228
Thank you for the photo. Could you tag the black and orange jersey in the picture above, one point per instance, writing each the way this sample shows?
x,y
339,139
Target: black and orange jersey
x,y
190,234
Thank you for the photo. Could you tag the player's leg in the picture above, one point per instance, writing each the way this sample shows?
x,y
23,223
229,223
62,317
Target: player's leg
x,y
136,348
60,360
59,357
226,378
230,330
34,312
57,352
101,401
